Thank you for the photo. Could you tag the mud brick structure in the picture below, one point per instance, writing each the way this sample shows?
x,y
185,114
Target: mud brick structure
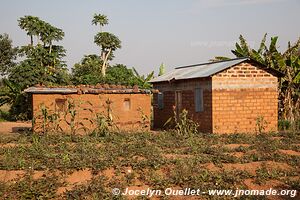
x,y
237,95
127,108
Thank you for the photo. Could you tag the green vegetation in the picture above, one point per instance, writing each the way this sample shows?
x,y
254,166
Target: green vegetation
x,y
41,61
182,124
108,42
155,160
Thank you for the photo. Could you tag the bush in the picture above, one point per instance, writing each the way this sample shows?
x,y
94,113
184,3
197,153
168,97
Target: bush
x,y
284,124
183,125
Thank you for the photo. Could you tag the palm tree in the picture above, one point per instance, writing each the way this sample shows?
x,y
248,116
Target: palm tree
x,y
100,19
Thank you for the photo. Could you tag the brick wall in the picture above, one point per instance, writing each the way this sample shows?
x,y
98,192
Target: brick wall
x,y
240,96
188,88
87,105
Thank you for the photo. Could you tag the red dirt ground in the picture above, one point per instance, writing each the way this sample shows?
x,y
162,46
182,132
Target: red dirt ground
x,y
13,127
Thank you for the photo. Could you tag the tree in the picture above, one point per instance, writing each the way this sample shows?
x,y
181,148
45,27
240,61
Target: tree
x,y
87,71
100,19
31,25
108,42
8,54
42,64
120,74
287,62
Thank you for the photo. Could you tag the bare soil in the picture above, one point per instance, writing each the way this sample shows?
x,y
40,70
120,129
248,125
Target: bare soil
x,y
234,146
14,127
290,152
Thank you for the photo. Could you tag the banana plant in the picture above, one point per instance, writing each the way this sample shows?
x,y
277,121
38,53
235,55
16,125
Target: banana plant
x,y
143,81
9,93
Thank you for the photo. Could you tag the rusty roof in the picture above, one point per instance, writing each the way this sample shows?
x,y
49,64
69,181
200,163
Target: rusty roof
x,y
206,69
88,89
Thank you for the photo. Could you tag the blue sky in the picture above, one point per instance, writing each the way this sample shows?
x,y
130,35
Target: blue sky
x,y
175,32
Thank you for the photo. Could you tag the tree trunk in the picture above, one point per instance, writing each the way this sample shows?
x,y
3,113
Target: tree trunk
x,y
31,40
103,69
50,48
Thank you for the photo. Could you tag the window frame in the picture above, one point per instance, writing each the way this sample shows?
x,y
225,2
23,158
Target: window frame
x,y
199,100
160,100
127,100
60,105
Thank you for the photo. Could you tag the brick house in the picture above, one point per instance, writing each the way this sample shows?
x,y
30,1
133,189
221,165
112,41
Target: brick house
x,y
237,95
128,108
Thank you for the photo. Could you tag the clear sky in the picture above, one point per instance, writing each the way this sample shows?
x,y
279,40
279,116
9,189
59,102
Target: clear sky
x,y
175,32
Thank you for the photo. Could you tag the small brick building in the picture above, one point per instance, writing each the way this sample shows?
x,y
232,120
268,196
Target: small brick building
x,y
127,108
237,95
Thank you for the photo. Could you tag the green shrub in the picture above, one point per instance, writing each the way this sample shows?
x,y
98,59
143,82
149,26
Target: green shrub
x,y
284,124
183,125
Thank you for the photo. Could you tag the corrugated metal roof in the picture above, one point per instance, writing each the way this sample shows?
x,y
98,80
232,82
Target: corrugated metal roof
x,y
198,71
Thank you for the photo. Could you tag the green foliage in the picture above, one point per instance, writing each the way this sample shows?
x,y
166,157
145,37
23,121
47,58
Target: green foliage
x,y
87,71
41,29
161,69
100,19
8,54
29,188
108,42
143,81
284,125
261,124
120,74
42,64
11,94
183,125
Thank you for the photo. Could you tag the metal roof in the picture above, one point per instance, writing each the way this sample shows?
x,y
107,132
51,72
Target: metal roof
x,y
198,70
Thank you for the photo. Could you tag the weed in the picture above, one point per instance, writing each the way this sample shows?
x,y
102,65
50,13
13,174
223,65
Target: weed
x,y
261,124
144,119
183,124
29,188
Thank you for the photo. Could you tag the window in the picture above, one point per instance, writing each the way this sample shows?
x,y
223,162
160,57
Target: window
x,y
198,100
160,100
60,105
126,104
